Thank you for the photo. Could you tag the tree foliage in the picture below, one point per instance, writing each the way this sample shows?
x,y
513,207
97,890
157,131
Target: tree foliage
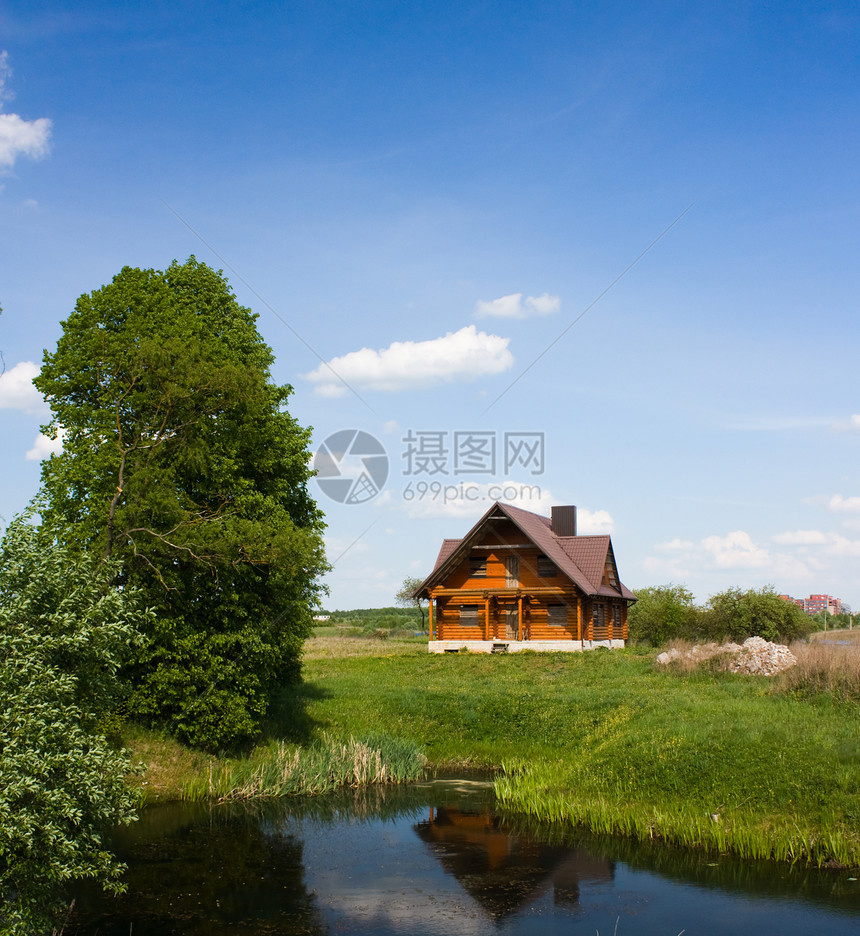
x,y
181,461
740,614
64,631
405,596
660,614
667,612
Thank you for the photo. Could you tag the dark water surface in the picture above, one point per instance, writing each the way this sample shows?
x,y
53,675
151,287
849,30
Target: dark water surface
x,y
434,859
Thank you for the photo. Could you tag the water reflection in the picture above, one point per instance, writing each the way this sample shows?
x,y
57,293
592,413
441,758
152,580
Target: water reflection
x,y
435,859
502,870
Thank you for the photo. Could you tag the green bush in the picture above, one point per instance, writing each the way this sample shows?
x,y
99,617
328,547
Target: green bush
x,y
64,630
661,614
740,614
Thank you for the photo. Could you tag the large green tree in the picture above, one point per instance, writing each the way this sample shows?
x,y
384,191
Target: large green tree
x,y
181,461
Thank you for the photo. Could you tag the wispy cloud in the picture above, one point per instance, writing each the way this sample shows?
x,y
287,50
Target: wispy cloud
x,y
19,137
736,551
848,425
778,423
44,447
515,307
840,504
17,391
800,538
409,365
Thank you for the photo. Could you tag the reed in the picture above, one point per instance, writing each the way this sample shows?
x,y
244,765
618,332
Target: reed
x,y
324,766
544,792
824,668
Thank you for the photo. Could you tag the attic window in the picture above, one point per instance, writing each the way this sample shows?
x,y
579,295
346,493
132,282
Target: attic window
x,y
557,615
546,568
478,567
609,574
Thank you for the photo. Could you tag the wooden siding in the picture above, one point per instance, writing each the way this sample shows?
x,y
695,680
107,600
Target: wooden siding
x,y
492,619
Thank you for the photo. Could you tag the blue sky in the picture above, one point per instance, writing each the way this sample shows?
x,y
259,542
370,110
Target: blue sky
x,y
429,194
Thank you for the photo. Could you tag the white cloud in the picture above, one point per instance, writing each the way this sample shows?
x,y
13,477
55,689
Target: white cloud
x,y
19,137
672,569
599,521
840,504
408,365
841,546
43,447
800,538
849,425
675,544
17,391
514,307
735,550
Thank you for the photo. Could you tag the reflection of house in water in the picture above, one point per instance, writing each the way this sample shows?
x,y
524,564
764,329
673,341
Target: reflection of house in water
x,y
504,871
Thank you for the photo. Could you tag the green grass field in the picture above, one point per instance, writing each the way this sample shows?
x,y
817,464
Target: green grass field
x,y
745,764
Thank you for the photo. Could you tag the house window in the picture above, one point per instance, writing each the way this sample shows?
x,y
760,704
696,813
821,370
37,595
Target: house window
x,y
600,629
478,567
557,615
469,615
546,567
616,615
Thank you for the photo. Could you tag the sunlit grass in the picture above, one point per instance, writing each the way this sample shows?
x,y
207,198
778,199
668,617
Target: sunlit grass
x,y
608,740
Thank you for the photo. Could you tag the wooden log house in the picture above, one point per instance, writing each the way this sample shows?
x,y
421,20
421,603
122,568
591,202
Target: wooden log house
x,y
521,581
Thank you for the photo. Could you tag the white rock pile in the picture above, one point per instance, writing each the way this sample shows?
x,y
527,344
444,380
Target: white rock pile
x,y
756,657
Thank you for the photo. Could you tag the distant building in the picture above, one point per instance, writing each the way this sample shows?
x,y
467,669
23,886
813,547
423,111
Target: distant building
x,y
816,603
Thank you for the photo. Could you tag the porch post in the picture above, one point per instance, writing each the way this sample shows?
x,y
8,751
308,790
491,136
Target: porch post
x,y
430,616
519,617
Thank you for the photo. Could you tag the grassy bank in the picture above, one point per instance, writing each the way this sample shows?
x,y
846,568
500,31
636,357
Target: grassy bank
x,y
608,740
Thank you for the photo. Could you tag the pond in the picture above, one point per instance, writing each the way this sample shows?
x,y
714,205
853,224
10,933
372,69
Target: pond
x,y
434,858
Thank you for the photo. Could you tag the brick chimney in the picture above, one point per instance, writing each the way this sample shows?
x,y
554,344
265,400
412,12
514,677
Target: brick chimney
x,y
563,521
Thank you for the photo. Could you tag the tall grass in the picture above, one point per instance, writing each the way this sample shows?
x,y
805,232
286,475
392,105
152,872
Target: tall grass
x,y
543,793
326,765
824,668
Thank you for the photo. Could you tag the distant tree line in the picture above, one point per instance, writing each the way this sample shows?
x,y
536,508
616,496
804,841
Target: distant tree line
x,y
668,612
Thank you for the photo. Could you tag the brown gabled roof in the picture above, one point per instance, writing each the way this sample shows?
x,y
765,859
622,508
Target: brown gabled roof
x,y
581,558
448,546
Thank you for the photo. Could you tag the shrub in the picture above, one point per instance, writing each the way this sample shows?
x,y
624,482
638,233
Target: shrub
x,y
661,614
740,614
64,630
